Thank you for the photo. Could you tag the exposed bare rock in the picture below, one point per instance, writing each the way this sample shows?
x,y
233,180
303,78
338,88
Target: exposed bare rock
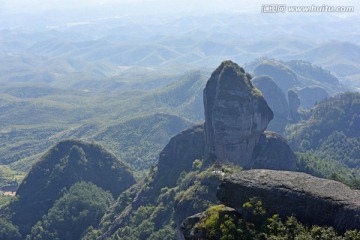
x,y
273,152
276,100
312,200
272,94
236,114
189,225
311,95
294,104
180,153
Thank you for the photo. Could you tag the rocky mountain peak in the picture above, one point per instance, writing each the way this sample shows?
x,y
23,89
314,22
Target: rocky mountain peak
x,y
236,114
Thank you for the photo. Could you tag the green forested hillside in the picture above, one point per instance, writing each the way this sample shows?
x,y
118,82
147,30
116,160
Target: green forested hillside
x,y
60,168
329,141
131,81
31,122
138,141
153,209
337,114
220,222
79,208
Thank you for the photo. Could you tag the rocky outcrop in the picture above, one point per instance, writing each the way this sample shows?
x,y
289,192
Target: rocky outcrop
x,y
190,229
311,95
273,95
312,200
179,155
236,114
294,104
273,152
276,100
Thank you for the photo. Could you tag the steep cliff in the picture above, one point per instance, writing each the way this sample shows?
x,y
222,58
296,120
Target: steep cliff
x,y
276,100
273,95
236,114
179,155
273,152
311,95
185,180
294,105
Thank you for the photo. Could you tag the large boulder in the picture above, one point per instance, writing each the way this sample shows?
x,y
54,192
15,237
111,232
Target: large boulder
x,y
294,104
273,152
273,95
179,155
236,114
277,102
311,95
312,200
189,227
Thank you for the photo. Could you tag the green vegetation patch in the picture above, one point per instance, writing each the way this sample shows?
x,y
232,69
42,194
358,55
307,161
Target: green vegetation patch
x,y
223,223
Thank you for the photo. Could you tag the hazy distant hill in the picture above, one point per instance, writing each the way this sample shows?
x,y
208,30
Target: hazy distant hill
x,y
340,57
312,83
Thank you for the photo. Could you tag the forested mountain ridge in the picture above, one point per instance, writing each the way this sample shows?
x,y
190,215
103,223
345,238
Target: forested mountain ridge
x,y
184,177
336,114
131,75
328,142
60,168
33,122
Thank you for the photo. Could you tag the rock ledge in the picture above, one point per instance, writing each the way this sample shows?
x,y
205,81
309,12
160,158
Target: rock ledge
x,y
312,200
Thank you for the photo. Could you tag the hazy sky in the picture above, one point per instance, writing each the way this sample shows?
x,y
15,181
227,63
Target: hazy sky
x,y
154,5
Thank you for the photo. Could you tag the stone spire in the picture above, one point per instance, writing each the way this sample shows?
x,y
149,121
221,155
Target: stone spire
x,y
236,114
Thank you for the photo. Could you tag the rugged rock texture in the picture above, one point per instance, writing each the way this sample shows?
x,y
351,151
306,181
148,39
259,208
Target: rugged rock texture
x,y
177,157
180,153
203,186
188,229
273,152
310,95
294,104
236,114
199,194
312,200
191,232
276,100
273,95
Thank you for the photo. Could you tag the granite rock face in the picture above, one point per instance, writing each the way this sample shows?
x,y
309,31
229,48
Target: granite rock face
x,y
180,153
312,200
294,104
310,95
273,152
236,114
276,100
189,225
273,95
